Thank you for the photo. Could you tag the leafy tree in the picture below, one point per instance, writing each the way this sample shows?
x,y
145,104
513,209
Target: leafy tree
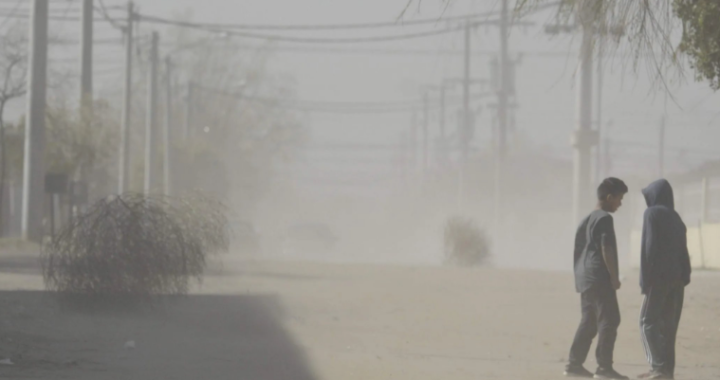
x,y
83,144
78,144
649,30
701,37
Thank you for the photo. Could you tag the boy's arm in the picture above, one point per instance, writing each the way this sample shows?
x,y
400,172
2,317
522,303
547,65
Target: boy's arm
x,y
580,242
687,270
609,253
649,246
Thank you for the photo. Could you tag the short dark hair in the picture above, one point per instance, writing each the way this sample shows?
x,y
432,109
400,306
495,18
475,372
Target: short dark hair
x,y
612,185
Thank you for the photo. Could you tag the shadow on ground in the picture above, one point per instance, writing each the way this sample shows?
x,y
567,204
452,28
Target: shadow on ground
x,y
193,337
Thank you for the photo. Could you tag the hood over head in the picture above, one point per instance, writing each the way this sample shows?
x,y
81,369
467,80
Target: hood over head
x,y
659,193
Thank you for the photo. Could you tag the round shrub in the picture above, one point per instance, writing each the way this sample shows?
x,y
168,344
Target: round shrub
x,y
135,245
466,244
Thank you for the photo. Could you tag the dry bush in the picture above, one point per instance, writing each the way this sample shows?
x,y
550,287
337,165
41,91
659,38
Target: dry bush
x,y
135,245
466,244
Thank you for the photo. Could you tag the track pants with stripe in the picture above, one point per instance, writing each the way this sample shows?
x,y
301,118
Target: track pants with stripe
x,y
659,321
601,317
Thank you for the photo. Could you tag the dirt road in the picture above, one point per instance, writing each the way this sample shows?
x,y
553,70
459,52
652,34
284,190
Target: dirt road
x,y
279,321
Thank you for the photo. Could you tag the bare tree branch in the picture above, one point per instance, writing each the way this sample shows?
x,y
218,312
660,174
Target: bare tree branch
x,y
407,6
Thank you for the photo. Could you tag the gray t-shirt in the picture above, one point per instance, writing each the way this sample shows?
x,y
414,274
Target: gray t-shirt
x,y
590,268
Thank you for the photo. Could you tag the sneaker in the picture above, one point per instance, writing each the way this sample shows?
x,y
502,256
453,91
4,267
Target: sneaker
x,y
577,371
655,374
609,374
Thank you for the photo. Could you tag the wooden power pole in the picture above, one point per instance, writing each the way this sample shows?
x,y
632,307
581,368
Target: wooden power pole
x,y
151,122
34,163
124,174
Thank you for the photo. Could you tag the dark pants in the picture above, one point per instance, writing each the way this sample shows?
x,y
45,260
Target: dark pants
x,y
659,320
600,316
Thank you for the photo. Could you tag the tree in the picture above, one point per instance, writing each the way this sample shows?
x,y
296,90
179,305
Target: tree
x,y
82,144
701,37
79,144
13,79
649,29
241,128
13,68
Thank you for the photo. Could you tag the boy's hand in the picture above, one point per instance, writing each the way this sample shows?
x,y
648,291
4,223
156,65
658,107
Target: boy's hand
x,y
616,284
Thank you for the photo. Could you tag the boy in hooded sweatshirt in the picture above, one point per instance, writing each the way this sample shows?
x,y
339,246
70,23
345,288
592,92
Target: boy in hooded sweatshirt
x,y
664,273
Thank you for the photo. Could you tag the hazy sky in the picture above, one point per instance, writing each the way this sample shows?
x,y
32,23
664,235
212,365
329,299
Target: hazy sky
x,y
545,82
546,94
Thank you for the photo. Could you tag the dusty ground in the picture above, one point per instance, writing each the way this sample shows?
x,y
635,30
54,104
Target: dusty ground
x,y
279,321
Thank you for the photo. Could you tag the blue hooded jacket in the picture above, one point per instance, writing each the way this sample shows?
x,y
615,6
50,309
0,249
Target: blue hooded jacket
x,y
664,259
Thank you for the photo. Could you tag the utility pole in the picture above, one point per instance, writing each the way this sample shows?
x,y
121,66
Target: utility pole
x,y
86,76
86,64
404,143
167,142
598,117
441,88
124,175
503,92
150,126
466,97
426,121
188,112
661,150
443,134
584,138
464,135
442,113
607,164
413,143
34,166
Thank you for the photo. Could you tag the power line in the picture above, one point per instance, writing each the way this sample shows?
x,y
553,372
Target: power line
x,y
349,26
56,11
358,148
51,18
73,59
330,40
370,25
102,41
103,10
391,52
307,102
396,52
332,106
12,12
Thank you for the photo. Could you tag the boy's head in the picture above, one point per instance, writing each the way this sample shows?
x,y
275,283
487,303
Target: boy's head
x,y
610,194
